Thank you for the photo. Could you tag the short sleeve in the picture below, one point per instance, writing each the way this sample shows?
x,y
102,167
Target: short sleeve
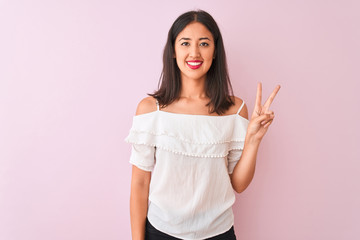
x,y
143,156
237,142
233,158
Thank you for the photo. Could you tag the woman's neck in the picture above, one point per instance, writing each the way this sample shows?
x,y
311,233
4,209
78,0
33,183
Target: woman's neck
x,y
193,88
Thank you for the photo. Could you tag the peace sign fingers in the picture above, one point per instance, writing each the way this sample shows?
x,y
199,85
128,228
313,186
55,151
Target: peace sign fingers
x,y
262,117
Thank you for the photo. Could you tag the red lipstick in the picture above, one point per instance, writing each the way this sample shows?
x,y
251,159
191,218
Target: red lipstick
x,y
194,64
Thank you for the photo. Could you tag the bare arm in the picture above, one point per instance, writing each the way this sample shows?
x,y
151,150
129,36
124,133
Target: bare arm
x,y
245,169
140,182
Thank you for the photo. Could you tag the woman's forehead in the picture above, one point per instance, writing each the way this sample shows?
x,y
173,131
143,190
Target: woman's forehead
x,y
195,31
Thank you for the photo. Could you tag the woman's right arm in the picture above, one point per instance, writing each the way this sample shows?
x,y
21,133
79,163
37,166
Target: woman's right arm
x,y
140,182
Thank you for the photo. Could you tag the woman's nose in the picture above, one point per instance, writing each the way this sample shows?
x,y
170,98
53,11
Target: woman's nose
x,y
194,51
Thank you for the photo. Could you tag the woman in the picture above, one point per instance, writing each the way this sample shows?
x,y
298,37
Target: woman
x,y
192,142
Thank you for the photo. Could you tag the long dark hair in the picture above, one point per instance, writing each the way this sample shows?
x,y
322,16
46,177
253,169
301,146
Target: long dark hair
x,y
217,85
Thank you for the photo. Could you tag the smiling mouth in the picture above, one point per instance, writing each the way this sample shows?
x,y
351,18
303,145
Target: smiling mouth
x,y
194,64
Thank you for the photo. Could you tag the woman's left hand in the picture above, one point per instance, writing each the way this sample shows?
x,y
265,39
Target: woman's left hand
x,y
261,117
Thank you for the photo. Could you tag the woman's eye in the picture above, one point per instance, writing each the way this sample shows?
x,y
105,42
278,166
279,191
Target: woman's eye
x,y
185,44
204,44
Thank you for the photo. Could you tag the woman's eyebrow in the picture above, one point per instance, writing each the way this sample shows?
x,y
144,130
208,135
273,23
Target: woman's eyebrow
x,y
184,39
203,38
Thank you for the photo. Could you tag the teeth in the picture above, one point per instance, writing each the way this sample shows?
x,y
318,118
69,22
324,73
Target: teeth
x,y
194,63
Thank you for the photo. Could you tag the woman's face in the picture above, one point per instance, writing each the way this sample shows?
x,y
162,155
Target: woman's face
x,y
194,51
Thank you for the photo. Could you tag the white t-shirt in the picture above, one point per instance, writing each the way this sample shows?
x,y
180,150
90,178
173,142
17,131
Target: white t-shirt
x,y
191,157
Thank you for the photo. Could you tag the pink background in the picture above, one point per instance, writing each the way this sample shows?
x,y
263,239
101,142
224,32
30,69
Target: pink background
x,y
73,72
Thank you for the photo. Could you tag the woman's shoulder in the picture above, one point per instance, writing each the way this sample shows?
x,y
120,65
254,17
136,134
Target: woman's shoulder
x,y
146,105
234,108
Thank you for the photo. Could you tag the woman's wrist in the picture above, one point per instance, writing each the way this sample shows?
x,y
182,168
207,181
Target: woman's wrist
x,y
252,141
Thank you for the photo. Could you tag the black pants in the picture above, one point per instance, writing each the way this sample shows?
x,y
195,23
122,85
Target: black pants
x,y
152,233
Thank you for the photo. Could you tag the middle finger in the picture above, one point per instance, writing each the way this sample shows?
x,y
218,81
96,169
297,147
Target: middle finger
x,y
271,98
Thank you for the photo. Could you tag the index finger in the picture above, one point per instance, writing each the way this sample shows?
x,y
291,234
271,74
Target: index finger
x,y
258,97
271,98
